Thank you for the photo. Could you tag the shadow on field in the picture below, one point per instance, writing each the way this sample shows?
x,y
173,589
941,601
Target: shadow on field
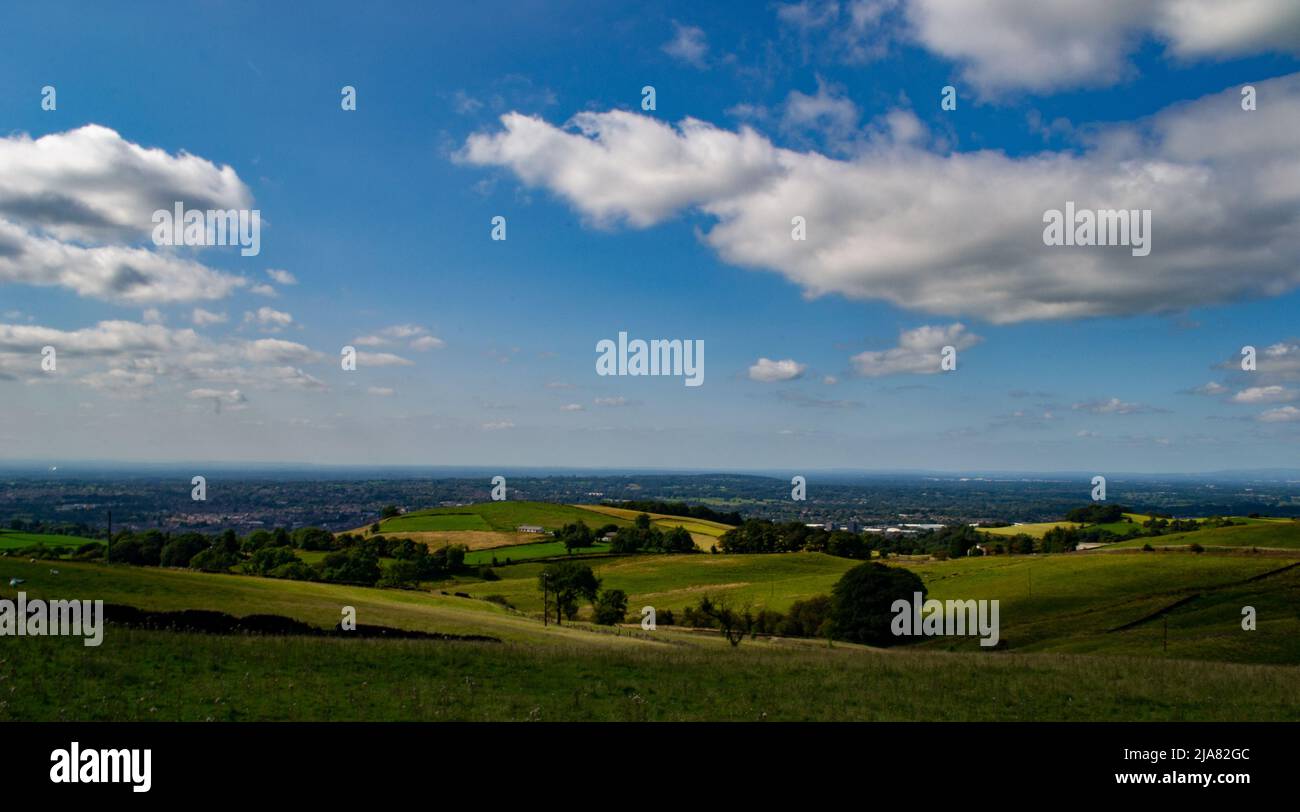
x,y
208,622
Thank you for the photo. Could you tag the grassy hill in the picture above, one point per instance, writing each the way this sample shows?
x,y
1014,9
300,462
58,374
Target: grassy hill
x,y
1275,534
12,539
576,672
488,525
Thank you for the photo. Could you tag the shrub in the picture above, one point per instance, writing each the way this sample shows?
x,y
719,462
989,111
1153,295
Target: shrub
x,y
611,607
861,602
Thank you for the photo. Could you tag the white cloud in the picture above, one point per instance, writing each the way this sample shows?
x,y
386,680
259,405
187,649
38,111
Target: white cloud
x,y
1213,388
72,205
424,343
281,277
615,401
264,290
1282,414
1044,46
919,351
688,45
231,397
278,351
766,370
381,359
269,319
572,407
1113,406
203,318
919,229
381,391
1264,394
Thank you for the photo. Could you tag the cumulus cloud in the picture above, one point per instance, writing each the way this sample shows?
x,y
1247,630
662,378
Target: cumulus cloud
x,y
1282,414
269,319
204,318
74,206
424,343
278,351
919,351
419,338
1264,394
915,228
1005,45
766,370
1114,406
382,359
281,277
688,45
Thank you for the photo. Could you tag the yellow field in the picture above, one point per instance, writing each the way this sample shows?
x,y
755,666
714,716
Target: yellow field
x,y
1036,530
704,532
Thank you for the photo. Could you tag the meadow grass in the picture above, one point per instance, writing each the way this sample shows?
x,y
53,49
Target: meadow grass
x,y
153,675
13,539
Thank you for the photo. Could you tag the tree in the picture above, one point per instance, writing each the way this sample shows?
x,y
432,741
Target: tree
x,y
611,608
389,512
862,601
734,624
575,536
566,582
807,618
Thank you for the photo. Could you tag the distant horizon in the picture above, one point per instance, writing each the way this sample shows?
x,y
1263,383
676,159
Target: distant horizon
x,y
462,471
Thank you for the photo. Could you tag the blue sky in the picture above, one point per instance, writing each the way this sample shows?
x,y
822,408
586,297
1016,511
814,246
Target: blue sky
x,y
381,217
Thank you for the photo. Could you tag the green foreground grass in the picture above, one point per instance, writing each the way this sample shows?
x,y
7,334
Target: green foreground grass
x,y
13,540
139,675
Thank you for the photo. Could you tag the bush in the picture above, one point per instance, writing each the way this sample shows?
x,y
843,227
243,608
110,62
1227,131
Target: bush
x,y
1196,548
611,607
488,574
181,550
213,559
807,618
401,574
862,600
351,567
293,571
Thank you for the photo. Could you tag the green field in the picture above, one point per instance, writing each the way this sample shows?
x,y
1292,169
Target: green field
x,y
151,676
527,552
1279,534
1034,529
12,539
1065,655
502,517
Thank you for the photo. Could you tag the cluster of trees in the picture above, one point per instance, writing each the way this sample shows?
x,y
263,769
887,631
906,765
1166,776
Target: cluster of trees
x,y
763,536
57,528
350,559
1098,514
565,584
859,610
642,537
679,509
